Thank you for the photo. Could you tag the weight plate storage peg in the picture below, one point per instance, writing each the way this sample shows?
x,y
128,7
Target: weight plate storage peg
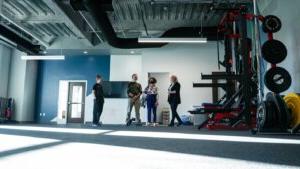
x,y
274,51
271,24
278,79
292,101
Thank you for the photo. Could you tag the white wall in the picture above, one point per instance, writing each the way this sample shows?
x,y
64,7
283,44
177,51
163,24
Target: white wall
x,y
5,54
123,66
288,11
63,102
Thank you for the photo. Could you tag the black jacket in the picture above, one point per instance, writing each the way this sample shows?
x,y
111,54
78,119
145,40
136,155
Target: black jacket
x,y
175,97
134,88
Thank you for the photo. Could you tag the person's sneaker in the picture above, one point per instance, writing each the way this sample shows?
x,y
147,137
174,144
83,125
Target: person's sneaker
x,y
94,125
129,122
100,124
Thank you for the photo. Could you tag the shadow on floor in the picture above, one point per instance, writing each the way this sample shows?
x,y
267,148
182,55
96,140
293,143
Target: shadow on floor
x,y
284,154
29,148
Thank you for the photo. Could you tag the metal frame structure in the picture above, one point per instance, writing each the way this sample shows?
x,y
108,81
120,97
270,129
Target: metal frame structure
x,y
239,107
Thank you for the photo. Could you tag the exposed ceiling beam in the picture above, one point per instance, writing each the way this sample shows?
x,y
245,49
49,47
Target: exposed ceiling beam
x,y
75,19
27,31
11,19
20,42
43,19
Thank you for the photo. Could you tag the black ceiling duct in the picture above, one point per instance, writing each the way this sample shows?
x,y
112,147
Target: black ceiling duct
x,y
98,9
22,44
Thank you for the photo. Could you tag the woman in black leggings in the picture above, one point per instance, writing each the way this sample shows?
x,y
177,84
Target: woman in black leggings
x,y
174,100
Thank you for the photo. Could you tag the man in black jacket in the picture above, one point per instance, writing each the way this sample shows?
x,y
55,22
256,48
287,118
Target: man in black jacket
x,y
98,101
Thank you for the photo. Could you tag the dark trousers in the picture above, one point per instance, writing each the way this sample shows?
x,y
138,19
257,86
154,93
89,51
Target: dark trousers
x,y
98,108
174,113
151,107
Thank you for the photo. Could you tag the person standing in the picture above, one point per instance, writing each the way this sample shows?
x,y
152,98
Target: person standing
x,y
98,101
134,92
174,100
151,92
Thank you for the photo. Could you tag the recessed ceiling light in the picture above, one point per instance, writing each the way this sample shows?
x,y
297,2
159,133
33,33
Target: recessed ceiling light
x,y
45,52
132,52
85,52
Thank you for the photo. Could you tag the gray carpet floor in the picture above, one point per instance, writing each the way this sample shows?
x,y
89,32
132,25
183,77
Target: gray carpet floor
x,y
79,146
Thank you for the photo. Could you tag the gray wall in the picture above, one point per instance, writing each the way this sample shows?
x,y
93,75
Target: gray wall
x,y
29,91
16,83
21,86
5,53
288,11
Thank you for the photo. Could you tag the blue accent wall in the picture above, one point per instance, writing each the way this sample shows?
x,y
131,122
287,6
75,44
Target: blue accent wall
x,y
72,68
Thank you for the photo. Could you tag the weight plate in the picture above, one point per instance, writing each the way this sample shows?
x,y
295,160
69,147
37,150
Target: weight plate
x,y
292,101
272,115
274,51
278,80
271,24
273,111
284,113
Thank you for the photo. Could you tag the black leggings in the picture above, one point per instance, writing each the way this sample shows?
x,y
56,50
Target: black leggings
x,y
174,113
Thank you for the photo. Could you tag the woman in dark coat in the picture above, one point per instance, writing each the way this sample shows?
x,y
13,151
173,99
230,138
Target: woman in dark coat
x,y
174,100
